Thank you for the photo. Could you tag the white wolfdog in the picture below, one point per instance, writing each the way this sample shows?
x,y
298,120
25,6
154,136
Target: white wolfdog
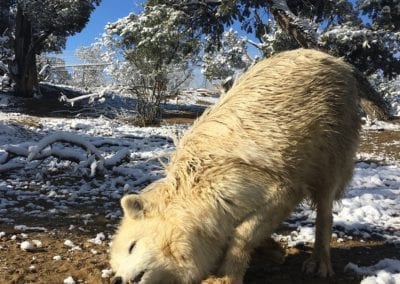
x,y
286,131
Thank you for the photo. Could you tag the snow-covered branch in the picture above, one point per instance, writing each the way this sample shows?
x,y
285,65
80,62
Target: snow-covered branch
x,y
65,154
255,44
91,97
63,137
117,158
11,165
94,160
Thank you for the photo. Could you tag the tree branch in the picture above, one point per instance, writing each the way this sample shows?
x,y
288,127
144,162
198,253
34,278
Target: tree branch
x,y
291,24
65,137
42,151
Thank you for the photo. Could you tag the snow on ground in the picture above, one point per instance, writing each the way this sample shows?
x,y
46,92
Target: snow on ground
x,y
379,125
59,183
369,209
385,271
71,175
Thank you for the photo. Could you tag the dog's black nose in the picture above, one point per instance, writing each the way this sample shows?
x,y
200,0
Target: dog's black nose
x,y
116,280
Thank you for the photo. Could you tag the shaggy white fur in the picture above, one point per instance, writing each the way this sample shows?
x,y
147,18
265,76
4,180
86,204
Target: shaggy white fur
x,y
287,130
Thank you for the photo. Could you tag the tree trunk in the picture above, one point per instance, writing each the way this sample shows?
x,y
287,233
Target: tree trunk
x,y
24,70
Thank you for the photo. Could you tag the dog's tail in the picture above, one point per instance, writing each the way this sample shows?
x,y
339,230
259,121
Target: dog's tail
x,y
372,102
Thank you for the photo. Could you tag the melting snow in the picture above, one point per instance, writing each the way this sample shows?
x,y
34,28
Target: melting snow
x,y
385,271
27,246
69,280
100,237
57,257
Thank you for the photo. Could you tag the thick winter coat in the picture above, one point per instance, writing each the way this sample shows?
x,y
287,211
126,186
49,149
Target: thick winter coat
x,y
286,131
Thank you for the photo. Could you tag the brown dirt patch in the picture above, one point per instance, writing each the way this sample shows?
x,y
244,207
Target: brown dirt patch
x,y
183,117
382,143
86,265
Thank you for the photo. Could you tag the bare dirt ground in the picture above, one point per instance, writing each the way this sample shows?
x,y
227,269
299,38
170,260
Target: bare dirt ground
x,y
86,262
85,265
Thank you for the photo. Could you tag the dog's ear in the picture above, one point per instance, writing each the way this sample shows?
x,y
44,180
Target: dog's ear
x,y
133,206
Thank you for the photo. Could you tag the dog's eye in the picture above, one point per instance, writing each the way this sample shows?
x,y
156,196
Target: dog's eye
x,y
131,247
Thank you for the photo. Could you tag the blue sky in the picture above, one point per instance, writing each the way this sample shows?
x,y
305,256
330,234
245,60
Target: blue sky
x,y
108,11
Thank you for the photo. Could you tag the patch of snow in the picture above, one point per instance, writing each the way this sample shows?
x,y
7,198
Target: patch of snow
x,y
385,271
379,125
28,228
382,277
69,280
27,246
31,245
106,273
37,243
369,206
100,237
69,243
298,237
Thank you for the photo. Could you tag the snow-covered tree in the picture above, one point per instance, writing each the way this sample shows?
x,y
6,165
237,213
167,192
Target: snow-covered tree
x,y
368,49
155,43
364,32
231,58
38,26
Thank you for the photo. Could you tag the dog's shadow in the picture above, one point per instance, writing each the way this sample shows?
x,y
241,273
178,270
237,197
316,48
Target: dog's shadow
x,y
272,264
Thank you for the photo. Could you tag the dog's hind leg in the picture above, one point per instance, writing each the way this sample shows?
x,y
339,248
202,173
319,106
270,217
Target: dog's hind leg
x,y
320,260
